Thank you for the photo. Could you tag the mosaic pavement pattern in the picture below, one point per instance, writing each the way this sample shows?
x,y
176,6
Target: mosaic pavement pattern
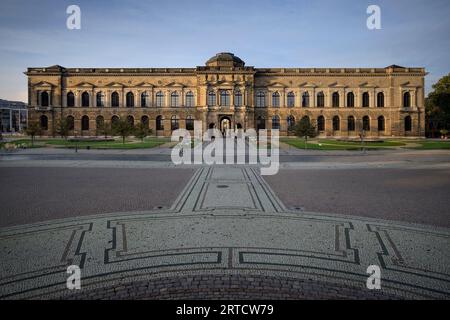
x,y
226,236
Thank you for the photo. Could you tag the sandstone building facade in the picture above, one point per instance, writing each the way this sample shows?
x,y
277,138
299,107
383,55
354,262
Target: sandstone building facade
x,y
341,102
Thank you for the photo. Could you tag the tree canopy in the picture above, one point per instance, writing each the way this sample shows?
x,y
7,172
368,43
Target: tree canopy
x,y
437,106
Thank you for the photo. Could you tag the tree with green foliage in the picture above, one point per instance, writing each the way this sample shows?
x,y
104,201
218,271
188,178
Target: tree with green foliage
x,y
304,129
437,107
141,131
63,128
104,129
122,128
33,130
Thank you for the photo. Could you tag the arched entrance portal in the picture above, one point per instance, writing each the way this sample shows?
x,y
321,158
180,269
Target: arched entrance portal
x,y
225,124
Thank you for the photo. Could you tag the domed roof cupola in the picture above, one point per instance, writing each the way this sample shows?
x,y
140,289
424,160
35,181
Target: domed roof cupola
x,y
225,59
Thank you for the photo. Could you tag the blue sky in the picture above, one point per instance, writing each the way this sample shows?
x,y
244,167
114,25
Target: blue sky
x,y
169,33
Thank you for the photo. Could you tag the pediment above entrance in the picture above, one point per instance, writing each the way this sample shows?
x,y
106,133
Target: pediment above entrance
x,y
276,85
43,84
367,85
115,85
308,85
145,85
85,85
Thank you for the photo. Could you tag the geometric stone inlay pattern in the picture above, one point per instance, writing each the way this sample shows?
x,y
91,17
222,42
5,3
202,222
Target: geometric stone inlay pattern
x,y
227,221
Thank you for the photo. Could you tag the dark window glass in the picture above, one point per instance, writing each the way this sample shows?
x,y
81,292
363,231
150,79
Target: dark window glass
x,y
44,122
351,123
335,98
85,99
45,99
305,100
408,123
350,100
84,123
365,100
275,122
115,99
366,123
130,100
320,99
321,123
380,123
380,99
159,123
336,124
70,99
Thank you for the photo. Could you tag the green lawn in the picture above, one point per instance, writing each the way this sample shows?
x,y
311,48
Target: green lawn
x,y
149,142
430,145
323,144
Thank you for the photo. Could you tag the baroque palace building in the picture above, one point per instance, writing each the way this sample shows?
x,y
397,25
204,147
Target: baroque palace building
x,y
340,102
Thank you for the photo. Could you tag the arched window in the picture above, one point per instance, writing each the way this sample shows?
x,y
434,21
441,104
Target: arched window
x,y
290,122
144,99
130,120
70,99
84,123
114,99
290,99
260,99
351,123
70,122
174,125
380,99
276,122
380,123
350,100
174,99
336,123
321,123
224,98
43,122
100,97
305,99
114,120
275,99
85,99
306,119
99,122
159,99
211,98
366,123
320,99
237,98
189,99
260,123
159,123
189,123
335,98
130,100
365,100
406,100
45,101
145,121
408,123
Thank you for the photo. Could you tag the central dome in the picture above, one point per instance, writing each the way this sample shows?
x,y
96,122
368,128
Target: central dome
x,y
225,59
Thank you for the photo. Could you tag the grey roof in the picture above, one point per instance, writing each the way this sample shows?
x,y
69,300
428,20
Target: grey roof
x,y
6,104
226,56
